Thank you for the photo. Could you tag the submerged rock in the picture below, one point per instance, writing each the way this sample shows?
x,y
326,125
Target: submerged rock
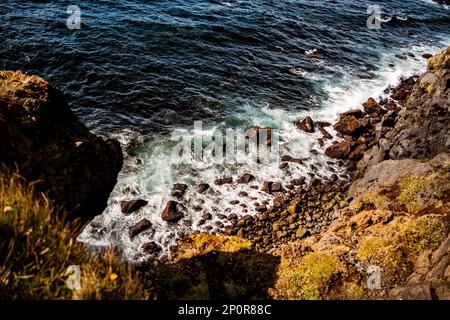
x,y
202,187
151,247
139,227
246,178
179,189
42,137
173,212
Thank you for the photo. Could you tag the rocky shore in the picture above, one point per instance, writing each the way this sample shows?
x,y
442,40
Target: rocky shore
x,y
393,214
321,238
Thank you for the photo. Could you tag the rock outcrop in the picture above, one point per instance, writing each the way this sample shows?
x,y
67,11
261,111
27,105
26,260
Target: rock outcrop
x,y
42,138
422,129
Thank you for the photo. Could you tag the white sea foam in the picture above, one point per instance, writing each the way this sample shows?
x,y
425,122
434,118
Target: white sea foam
x,y
148,174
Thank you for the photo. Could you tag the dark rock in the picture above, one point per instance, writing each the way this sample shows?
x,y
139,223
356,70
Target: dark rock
x,y
139,227
130,206
151,247
357,113
242,194
339,150
179,189
284,165
207,216
298,182
261,208
42,138
245,220
276,187
325,133
427,56
202,187
232,216
246,178
372,106
347,125
291,159
219,224
307,125
173,212
222,181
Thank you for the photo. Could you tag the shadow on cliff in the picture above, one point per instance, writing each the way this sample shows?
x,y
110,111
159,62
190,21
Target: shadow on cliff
x,y
244,274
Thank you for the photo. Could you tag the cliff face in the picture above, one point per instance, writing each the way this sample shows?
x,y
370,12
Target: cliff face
x,y
422,129
42,138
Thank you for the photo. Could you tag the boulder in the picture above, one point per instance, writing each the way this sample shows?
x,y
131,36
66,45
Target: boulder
x,y
173,212
129,206
291,159
42,138
339,150
179,189
222,181
372,106
202,187
348,125
151,247
139,227
246,178
307,125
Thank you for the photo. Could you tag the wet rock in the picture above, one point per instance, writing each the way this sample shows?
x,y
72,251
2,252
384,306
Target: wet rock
x,y
232,216
207,216
221,216
222,181
151,247
291,159
278,201
372,106
139,227
298,182
173,212
202,187
246,178
325,133
340,150
307,125
261,208
357,113
284,165
130,206
427,56
270,187
219,224
187,223
179,189
242,194
234,202
347,125
245,220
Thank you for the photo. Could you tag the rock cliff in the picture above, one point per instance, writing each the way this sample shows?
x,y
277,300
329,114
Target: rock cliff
x,y
44,141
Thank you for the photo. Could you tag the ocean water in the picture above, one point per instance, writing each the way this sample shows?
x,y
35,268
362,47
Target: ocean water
x,y
138,70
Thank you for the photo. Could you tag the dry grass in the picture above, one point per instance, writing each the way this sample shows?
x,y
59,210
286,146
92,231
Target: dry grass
x,y
37,248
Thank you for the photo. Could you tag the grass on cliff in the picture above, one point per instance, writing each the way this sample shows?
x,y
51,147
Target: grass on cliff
x,y
396,247
37,248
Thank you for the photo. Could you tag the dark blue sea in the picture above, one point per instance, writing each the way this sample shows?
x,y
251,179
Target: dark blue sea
x,y
137,70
